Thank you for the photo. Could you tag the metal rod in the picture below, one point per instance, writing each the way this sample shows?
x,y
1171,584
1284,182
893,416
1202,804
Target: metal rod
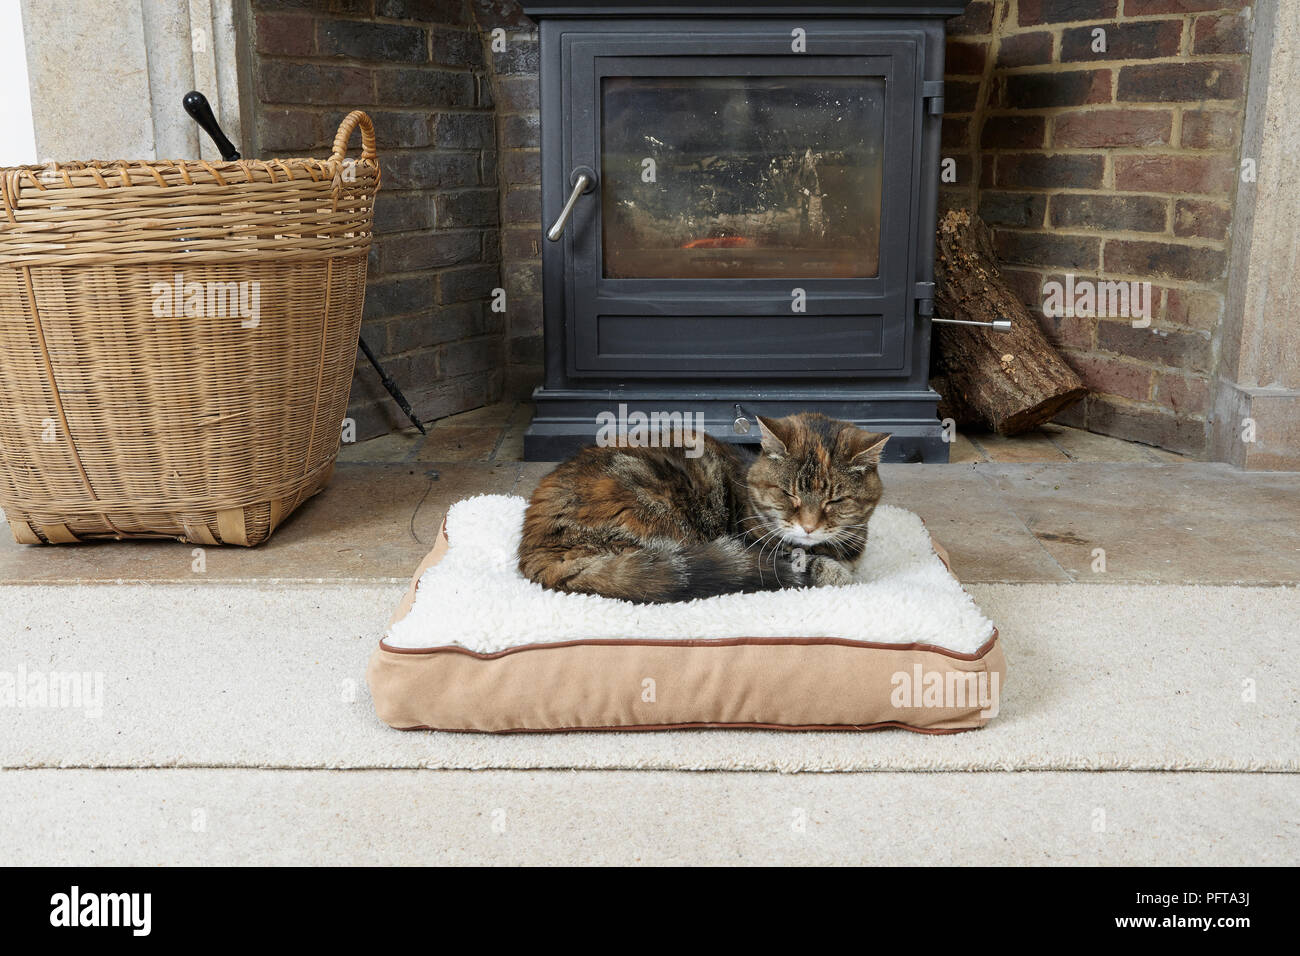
x,y
389,384
997,325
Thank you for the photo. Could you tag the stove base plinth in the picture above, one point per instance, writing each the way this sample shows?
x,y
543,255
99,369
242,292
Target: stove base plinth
x,y
567,419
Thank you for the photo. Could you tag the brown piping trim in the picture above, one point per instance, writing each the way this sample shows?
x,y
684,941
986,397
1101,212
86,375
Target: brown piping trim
x,y
695,642
882,725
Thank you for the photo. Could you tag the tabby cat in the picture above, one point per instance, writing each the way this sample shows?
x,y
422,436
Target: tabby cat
x,y
656,525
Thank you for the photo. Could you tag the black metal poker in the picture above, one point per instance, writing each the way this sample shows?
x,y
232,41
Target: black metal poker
x,y
196,104
389,384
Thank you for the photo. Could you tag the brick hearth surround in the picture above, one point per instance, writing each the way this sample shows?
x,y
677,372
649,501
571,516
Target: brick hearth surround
x,y
1115,165
418,67
1119,165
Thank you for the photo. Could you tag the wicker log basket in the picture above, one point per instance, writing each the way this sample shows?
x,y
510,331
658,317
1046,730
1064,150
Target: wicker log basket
x,y
177,341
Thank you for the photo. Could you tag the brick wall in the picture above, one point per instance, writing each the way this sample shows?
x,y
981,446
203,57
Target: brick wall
x,y
1119,164
1115,165
418,68
512,60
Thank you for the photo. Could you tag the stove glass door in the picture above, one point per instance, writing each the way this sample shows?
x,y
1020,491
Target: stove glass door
x,y
741,177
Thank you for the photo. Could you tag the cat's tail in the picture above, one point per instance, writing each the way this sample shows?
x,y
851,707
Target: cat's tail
x,y
672,571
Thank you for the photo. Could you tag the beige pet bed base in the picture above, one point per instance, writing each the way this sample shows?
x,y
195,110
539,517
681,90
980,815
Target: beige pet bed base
x,y
791,683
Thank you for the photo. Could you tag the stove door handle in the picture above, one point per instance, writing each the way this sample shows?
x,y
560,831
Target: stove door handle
x,y
583,180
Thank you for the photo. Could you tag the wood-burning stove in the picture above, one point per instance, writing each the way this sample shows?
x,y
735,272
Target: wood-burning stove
x,y
741,207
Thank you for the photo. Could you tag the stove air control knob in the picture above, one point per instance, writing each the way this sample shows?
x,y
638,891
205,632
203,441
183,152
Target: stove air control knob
x,y
741,425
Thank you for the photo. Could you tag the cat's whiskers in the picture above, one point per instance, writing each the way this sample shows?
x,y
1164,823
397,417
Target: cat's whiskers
x,y
775,572
762,524
761,540
774,537
848,530
842,537
764,519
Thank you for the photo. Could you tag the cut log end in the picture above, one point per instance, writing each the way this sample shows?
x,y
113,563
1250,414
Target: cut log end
x,y
1044,411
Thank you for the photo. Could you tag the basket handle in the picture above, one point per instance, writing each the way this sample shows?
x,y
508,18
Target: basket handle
x,y
350,122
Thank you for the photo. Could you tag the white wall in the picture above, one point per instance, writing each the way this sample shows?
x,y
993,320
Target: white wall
x,y
17,137
106,77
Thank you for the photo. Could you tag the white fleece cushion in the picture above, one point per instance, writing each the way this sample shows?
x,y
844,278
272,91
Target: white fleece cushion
x,y
476,598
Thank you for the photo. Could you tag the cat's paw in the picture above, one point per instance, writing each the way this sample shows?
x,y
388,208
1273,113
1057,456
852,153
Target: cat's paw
x,y
824,572
785,569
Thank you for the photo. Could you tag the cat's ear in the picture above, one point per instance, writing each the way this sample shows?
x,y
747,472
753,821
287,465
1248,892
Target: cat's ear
x,y
869,457
774,437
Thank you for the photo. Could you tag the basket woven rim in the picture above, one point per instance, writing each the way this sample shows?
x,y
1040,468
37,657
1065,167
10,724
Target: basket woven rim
x,y
60,175
117,172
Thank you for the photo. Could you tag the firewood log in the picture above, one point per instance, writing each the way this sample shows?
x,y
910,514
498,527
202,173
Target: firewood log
x,y
1010,382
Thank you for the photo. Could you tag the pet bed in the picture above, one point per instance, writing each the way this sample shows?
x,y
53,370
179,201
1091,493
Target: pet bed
x,y
475,646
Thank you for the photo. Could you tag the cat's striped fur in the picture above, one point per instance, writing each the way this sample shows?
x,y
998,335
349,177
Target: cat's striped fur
x,y
654,525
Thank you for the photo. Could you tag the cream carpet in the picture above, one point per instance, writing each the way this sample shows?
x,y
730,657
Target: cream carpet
x,y
405,817
1099,677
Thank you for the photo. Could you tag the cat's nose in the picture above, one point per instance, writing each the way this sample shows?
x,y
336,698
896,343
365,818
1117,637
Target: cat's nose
x,y
806,529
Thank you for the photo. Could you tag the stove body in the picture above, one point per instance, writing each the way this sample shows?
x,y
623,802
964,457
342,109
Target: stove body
x,y
750,193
